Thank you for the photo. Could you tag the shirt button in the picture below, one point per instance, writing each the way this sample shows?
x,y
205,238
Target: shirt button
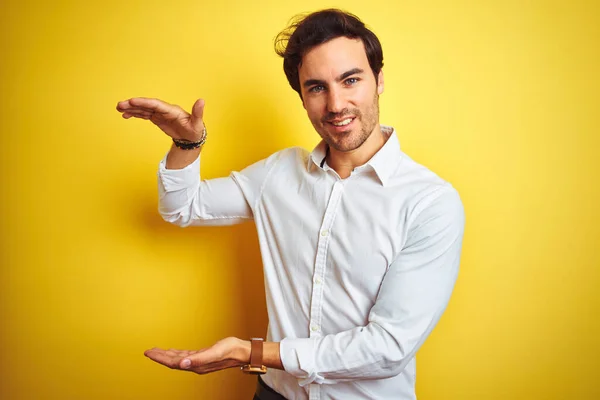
x,y
318,280
314,328
324,232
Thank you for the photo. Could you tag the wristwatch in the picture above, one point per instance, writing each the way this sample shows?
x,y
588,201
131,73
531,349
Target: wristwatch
x,y
256,366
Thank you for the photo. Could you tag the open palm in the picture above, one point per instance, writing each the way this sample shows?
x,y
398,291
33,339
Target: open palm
x,y
223,354
170,118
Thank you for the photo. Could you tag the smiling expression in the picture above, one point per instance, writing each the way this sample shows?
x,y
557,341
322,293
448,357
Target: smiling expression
x,y
340,93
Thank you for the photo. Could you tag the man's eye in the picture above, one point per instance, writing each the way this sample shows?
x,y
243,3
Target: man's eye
x,y
317,89
351,81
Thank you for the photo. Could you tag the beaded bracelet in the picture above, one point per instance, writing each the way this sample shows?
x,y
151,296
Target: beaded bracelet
x,y
185,144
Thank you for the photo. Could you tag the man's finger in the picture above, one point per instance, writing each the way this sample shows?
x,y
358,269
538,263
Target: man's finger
x,y
125,106
198,114
135,103
199,359
138,113
153,105
198,108
161,357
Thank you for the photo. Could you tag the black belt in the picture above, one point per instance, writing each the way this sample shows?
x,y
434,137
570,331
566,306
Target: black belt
x,y
264,392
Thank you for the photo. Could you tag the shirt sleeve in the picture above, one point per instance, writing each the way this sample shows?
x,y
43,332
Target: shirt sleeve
x,y
413,295
184,199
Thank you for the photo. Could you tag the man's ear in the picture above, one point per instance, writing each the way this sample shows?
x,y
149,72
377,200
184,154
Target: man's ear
x,y
380,83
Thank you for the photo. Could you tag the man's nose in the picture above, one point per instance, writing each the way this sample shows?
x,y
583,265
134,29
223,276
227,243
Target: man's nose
x,y
335,101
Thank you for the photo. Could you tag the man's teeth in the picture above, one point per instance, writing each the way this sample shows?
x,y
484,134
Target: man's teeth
x,y
342,123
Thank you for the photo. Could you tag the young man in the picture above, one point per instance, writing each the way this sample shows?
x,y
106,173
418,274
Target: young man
x,y
360,244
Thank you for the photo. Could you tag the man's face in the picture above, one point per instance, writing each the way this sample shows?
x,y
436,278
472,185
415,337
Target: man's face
x,y
340,93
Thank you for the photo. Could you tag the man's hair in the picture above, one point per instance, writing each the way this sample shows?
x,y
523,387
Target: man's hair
x,y
307,31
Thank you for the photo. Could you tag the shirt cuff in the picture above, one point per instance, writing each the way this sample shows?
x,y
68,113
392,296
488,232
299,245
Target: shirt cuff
x,y
298,359
177,179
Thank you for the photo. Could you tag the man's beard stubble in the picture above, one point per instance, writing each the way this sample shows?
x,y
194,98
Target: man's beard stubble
x,y
368,121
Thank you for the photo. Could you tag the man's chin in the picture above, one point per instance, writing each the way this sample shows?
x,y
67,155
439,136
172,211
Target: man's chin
x,y
344,146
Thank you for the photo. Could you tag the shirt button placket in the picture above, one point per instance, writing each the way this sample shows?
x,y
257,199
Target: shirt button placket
x,y
315,392
321,260
319,273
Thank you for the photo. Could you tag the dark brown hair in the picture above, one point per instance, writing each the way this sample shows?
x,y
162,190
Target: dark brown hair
x,y
307,31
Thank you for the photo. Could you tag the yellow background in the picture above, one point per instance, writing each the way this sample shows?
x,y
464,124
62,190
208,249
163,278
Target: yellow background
x,y
501,98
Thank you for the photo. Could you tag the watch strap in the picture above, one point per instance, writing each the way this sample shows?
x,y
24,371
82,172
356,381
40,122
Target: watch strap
x,y
256,352
255,367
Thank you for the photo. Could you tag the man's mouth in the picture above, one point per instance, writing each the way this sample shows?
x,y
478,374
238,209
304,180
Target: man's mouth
x,y
341,122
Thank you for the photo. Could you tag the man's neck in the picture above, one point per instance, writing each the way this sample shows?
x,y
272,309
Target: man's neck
x,y
344,162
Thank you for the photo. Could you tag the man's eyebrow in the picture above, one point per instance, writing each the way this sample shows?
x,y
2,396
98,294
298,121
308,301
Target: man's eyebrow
x,y
346,74
311,82
353,71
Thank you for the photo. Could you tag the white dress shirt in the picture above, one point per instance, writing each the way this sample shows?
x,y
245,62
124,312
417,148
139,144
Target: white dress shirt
x,y
357,271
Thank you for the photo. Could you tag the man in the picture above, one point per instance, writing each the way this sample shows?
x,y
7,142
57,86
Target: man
x,y
360,244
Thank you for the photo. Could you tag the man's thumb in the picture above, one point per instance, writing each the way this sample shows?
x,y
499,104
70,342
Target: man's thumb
x,y
192,361
198,110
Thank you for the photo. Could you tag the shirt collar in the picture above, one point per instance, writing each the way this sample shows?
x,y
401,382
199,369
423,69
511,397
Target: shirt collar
x,y
318,155
384,162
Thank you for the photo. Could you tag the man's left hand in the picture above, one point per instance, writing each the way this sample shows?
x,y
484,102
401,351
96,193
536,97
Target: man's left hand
x,y
226,353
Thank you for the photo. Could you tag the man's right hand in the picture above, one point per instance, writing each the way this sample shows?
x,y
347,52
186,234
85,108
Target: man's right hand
x,y
170,118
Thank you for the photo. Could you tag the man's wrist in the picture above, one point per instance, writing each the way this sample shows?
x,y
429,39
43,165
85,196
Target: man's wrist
x,y
179,159
186,144
271,354
244,351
